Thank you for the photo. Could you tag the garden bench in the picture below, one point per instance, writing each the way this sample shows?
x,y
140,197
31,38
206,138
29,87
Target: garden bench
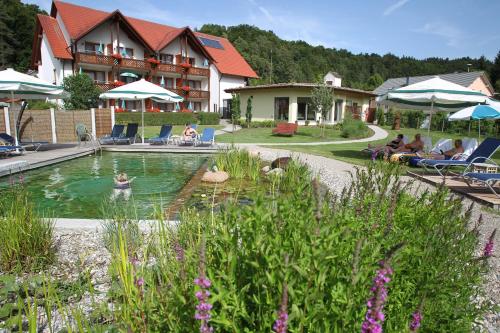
x,y
285,129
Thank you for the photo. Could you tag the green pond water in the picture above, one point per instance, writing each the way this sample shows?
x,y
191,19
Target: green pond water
x,y
82,188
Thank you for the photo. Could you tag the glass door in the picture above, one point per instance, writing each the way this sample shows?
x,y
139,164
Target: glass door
x,y
281,108
338,110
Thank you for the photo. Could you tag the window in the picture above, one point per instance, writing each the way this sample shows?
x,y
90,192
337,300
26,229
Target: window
x,y
196,85
196,106
338,110
127,52
192,61
281,108
304,110
330,83
91,47
96,76
166,58
169,106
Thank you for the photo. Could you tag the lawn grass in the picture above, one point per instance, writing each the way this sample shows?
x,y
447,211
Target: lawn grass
x,y
154,131
352,152
264,135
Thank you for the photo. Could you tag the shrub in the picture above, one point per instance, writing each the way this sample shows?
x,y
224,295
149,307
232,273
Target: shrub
x,y
353,128
84,94
263,123
380,117
27,239
173,118
41,105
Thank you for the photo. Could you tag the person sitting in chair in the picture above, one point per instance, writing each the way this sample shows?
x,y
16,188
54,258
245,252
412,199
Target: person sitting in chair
x,y
189,133
448,155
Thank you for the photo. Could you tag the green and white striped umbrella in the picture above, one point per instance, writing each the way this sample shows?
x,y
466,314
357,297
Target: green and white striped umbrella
x,y
142,90
433,95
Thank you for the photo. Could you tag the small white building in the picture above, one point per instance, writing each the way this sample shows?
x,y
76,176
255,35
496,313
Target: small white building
x,y
114,49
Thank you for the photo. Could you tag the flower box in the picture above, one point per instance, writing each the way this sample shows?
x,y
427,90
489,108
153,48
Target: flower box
x,y
186,65
118,83
185,110
186,88
119,110
154,110
153,61
117,56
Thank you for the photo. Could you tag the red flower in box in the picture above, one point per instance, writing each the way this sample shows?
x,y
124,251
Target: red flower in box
x,y
186,110
118,83
186,65
186,88
154,110
153,61
118,110
117,56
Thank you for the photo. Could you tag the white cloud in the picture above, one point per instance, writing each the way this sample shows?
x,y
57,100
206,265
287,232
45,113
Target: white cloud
x,y
389,10
453,35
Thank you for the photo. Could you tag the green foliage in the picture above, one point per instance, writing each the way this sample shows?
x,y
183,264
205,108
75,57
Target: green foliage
x,y
263,123
173,118
322,102
84,94
298,61
373,82
17,26
235,108
41,105
380,117
239,163
353,128
248,114
27,239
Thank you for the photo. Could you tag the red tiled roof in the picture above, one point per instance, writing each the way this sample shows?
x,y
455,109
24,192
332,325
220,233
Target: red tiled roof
x,y
55,37
228,61
79,19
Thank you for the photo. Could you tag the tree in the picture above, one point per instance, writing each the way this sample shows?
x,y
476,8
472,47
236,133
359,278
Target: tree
x,y
235,110
84,94
495,73
248,114
374,81
322,103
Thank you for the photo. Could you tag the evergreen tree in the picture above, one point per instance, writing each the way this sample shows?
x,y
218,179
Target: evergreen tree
x,y
495,73
248,114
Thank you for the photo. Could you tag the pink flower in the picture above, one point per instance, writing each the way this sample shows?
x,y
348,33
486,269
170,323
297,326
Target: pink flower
x,y
488,248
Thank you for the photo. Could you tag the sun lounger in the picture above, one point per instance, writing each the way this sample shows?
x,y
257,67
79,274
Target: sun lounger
x,y
488,179
207,137
35,144
8,150
130,135
115,134
164,137
481,154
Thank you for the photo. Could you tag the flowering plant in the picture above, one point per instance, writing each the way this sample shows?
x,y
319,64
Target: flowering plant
x,y
119,110
118,83
186,65
186,88
117,56
154,110
153,61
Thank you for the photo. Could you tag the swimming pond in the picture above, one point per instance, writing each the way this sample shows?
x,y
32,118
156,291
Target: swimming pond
x,y
84,187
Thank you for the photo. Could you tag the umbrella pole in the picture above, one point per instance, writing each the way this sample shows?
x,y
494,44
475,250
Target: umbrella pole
x,y
430,119
479,129
142,118
16,140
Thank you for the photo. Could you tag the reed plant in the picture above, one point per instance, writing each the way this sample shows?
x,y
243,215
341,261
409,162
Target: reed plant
x,y
27,239
239,163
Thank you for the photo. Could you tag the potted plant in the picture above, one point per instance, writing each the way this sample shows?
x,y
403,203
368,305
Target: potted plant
x,y
153,61
119,110
186,89
118,83
186,65
117,56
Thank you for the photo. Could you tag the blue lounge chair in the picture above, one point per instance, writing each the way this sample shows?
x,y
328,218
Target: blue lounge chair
x,y
164,137
115,134
10,139
207,137
130,135
7,150
482,154
488,179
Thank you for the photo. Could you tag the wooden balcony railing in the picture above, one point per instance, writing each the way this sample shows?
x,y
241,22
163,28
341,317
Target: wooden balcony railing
x,y
198,71
105,86
169,68
92,58
203,94
135,64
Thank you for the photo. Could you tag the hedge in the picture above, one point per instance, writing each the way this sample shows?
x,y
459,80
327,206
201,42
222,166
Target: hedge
x,y
173,118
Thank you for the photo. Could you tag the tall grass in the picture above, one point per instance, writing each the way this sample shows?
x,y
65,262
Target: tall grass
x,y
27,240
239,163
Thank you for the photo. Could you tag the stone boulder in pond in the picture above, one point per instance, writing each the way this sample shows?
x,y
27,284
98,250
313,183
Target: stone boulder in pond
x,y
215,177
281,162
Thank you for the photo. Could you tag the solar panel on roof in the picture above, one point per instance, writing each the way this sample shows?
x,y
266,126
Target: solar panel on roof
x,y
211,43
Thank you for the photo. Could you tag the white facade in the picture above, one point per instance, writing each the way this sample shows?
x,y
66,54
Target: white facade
x,y
51,69
333,79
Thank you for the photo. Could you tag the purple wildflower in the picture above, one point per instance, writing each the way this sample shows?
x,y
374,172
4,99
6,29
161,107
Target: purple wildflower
x,y
134,261
21,178
374,155
179,251
415,321
203,308
280,325
374,316
139,282
488,248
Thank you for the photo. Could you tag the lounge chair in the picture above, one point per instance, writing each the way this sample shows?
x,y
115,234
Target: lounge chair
x,y
82,134
23,144
488,179
7,150
115,134
481,154
130,135
164,137
207,137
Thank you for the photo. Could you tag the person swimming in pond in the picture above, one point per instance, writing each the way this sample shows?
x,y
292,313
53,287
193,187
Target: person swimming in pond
x,y
122,186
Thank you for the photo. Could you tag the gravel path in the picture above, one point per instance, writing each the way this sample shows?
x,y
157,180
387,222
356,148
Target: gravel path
x,y
228,127
378,134
335,175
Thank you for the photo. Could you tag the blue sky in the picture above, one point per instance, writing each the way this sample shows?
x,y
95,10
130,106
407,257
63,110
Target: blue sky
x,y
418,28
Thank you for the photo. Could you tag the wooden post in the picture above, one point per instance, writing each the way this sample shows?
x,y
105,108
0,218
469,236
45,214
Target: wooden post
x,y
6,118
53,125
92,122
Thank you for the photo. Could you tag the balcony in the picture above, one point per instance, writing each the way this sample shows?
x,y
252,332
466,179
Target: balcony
x,y
135,64
201,94
198,71
94,58
105,86
171,68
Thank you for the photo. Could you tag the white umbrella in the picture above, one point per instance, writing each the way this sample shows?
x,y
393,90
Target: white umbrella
x,y
434,94
141,90
14,84
477,112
